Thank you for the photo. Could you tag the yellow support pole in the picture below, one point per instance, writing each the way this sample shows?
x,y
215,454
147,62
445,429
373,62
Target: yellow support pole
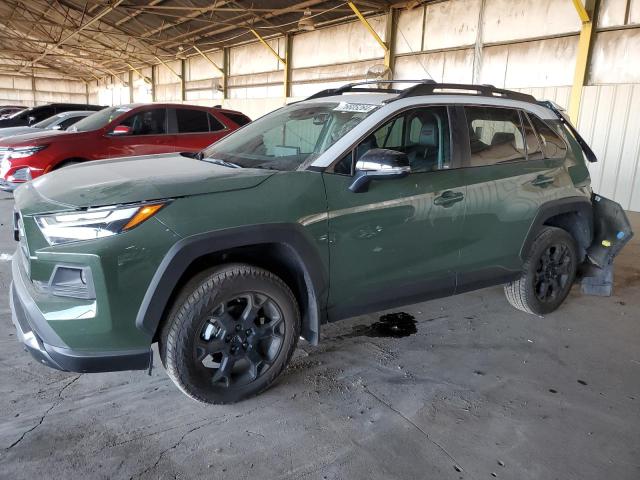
x,y
285,61
582,59
146,79
385,47
264,42
582,11
166,65
209,60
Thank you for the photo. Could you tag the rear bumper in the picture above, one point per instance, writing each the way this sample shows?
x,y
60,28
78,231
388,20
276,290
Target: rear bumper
x,y
37,337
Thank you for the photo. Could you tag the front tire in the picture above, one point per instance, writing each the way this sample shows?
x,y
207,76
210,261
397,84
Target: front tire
x,y
230,333
547,275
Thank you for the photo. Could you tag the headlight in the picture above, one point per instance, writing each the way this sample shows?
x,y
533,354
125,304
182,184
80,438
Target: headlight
x,y
94,223
22,152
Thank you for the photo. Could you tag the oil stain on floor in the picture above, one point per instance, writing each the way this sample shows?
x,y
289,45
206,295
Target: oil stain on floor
x,y
393,325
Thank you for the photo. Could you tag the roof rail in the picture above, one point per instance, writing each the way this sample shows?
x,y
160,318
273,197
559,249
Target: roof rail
x,y
358,87
426,87
433,88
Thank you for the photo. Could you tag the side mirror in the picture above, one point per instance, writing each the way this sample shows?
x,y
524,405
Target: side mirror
x,y
31,120
121,130
379,164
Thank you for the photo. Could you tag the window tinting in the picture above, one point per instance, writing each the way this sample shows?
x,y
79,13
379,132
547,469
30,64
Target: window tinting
x,y
149,122
41,113
68,122
191,121
421,133
214,124
495,135
237,118
534,148
552,144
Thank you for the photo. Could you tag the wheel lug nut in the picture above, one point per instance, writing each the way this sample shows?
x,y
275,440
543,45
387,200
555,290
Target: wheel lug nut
x,y
245,345
247,332
238,328
227,338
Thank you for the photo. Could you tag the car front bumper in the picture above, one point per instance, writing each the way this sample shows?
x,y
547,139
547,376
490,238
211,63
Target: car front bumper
x,y
38,338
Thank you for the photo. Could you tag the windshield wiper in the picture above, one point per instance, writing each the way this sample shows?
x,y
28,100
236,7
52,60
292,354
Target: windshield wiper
x,y
221,162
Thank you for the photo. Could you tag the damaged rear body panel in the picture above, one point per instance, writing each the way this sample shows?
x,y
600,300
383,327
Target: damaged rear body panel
x,y
611,232
611,227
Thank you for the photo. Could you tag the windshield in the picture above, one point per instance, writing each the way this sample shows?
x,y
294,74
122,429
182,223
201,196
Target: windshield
x,y
21,113
47,122
98,120
290,137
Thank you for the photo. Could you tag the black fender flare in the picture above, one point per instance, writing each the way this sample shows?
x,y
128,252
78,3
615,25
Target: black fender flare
x,y
188,249
576,204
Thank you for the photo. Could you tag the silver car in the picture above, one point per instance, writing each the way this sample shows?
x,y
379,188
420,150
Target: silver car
x,y
60,121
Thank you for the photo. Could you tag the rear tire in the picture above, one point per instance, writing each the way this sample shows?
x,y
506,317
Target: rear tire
x,y
230,333
547,274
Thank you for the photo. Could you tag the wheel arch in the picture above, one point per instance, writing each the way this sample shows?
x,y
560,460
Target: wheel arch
x,y
572,214
61,163
282,249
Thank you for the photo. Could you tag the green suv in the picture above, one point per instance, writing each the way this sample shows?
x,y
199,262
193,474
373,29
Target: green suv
x,y
355,200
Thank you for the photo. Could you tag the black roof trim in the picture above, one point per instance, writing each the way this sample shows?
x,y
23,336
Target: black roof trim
x,y
433,88
426,87
358,87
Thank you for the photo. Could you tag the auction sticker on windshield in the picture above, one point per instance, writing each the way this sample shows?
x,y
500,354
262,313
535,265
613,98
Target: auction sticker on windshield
x,y
354,107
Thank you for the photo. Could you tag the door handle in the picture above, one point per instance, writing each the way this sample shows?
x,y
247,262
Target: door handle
x,y
448,198
542,181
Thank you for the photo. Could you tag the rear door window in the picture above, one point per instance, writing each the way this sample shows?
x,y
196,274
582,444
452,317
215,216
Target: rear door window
x,y
495,135
192,121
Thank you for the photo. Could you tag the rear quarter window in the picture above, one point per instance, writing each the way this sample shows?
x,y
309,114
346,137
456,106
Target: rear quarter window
x,y
552,145
237,118
214,124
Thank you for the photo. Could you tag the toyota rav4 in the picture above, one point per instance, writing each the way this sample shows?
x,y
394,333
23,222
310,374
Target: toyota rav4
x,y
355,200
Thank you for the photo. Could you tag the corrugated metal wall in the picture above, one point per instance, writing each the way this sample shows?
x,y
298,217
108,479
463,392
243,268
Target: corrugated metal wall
x,y
610,122
28,91
530,46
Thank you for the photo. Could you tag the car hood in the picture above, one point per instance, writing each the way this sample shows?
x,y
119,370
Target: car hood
x,y
10,131
131,179
38,135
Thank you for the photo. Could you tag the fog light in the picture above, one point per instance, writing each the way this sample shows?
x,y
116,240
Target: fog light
x,y
76,282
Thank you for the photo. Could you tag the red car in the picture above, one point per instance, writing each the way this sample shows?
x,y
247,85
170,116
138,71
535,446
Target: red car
x,y
121,131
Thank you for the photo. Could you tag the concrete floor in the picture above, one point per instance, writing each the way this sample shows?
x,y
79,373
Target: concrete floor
x,y
480,391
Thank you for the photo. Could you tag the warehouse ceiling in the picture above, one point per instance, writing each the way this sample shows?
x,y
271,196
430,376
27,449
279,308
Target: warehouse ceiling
x,y
89,39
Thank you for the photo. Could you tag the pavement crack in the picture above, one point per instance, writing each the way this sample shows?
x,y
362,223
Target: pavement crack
x,y
59,400
166,450
415,425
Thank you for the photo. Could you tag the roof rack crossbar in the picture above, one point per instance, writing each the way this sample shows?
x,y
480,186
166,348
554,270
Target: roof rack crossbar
x,y
463,89
358,87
